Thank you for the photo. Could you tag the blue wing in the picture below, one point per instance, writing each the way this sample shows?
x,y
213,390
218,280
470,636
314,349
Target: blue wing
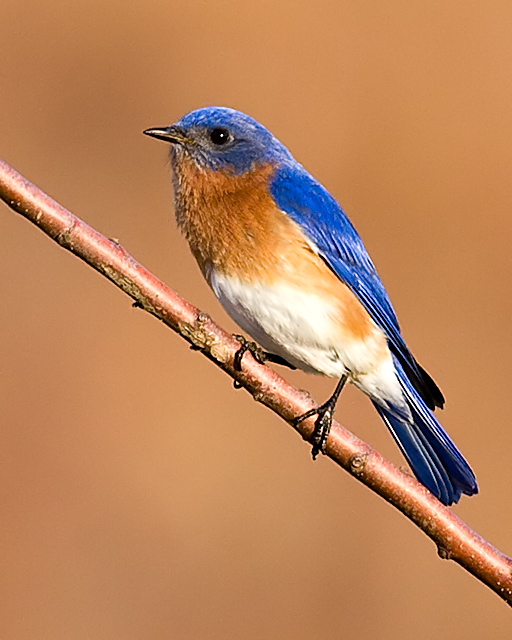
x,y
309,204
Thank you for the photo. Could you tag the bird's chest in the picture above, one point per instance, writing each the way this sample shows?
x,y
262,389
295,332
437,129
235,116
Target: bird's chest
x,y
232,223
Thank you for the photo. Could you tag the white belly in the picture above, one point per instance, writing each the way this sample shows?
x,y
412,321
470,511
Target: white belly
x,y
306,331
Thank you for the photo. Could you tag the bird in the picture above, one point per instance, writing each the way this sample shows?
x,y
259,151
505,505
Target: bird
x,y
288,266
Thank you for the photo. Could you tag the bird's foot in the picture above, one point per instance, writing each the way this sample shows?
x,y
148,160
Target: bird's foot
x,y
246,345
259,354
323,424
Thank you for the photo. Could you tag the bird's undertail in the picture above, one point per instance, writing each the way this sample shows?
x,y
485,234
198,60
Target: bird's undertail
x,y
431,454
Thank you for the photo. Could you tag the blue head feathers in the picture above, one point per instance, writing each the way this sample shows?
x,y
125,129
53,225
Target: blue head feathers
x,y
220,138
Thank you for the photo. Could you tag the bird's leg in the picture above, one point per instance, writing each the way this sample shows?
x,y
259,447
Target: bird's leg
x,y
259,354
324,420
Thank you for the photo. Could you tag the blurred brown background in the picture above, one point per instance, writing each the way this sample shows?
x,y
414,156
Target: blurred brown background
x,y
141,496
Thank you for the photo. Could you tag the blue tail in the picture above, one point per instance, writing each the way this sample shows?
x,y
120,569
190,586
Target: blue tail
x,y
433,457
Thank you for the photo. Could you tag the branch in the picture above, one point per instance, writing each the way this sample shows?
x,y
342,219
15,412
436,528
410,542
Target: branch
x,y
454,539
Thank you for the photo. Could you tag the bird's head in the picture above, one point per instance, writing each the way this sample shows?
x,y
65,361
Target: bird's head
x,y
218,138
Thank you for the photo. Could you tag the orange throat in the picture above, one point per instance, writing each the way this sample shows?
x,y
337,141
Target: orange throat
x,y
231,221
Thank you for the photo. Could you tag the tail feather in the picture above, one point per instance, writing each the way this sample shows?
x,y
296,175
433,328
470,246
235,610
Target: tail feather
x,y
431,454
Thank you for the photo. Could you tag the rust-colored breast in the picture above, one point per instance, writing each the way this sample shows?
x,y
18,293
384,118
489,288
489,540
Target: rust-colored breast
x,y
234,227
230,221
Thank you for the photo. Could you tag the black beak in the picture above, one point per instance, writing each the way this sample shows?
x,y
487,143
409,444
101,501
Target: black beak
x,y
170,134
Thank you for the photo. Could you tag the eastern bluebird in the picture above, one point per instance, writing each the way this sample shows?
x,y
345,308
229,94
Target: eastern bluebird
x,y
288,266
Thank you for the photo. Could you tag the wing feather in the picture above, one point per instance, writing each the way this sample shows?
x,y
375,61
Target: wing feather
x,y
330,231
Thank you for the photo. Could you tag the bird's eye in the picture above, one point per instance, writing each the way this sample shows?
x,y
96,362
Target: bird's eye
x,y
220,136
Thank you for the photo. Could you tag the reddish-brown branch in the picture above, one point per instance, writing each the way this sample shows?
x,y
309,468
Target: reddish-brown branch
x,y
454,539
